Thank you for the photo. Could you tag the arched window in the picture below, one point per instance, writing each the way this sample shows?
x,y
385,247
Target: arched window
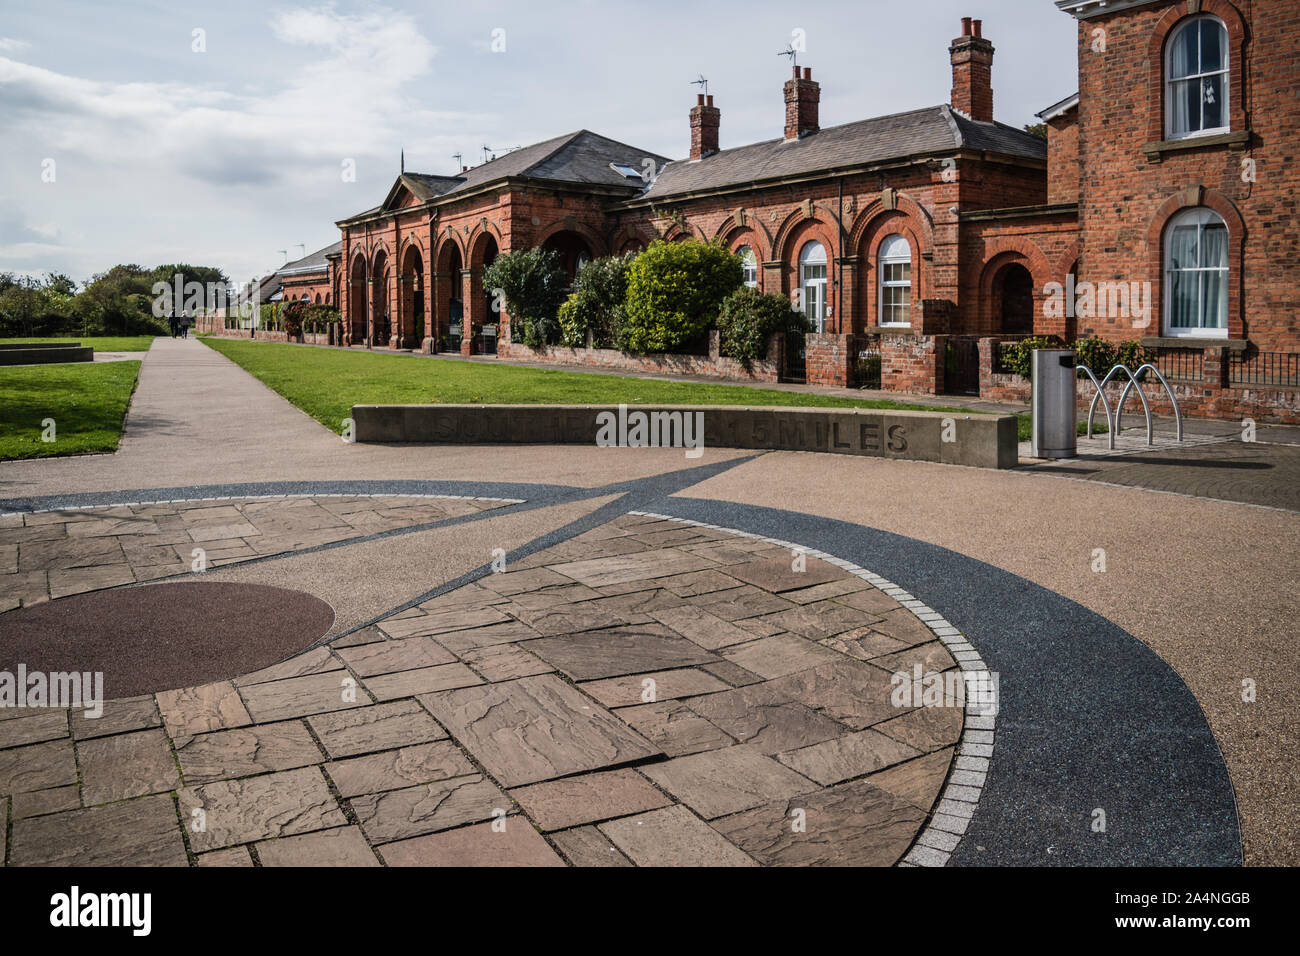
x,y
895,257
1196,78
812,284
1196,274
318,298
749,262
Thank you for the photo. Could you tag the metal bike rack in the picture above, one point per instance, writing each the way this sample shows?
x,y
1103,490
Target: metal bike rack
x,y
1133,380
1101,394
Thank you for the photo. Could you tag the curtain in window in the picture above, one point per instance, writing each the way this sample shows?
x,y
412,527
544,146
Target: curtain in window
x,y
1214,260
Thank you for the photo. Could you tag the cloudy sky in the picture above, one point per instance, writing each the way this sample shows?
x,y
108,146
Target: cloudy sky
x,y
216,133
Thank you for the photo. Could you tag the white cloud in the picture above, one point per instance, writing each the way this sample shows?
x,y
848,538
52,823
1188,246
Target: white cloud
x,y
10,45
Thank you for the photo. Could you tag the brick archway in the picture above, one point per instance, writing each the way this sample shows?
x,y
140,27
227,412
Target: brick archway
x,y
998,254
412,298
377,332
358,301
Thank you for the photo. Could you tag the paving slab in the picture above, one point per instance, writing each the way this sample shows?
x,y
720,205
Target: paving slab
x,y
258,808
396,769
635,649
518,844
247,751
724,781
141,832
588,798
380,727
536,728
854,824
673,836
342,847
414,811
126,765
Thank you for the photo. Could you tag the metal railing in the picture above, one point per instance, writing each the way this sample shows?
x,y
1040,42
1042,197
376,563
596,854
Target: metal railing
x,y
1183,364
1264,368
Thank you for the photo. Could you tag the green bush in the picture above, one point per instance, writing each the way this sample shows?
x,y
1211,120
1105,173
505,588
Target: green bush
x,y
534,286
1017,357
674,293
596,303
749,317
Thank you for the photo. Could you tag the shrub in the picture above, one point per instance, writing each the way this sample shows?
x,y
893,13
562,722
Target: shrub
x,y
749,317
1017,357
674,293
596,303
1096,353
534,285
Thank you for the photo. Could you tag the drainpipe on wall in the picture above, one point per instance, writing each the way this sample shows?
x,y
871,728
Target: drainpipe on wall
x,y
839,265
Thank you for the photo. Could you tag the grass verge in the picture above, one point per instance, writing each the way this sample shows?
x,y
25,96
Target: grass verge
x,y
326,383
87,402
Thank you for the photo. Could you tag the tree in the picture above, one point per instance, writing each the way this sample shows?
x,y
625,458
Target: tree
x,y
534,285
1036,129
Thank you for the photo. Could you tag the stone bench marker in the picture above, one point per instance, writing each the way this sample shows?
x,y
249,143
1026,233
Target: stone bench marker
x,y
986,441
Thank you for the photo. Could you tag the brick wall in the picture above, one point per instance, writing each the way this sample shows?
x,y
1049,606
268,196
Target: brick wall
x,y
912,363
713,365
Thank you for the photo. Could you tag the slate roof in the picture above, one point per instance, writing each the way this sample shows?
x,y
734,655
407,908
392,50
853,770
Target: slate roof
x,y
581,158
312,262
933,130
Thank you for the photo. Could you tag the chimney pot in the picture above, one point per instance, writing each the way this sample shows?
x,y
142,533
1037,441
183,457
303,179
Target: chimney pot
x,y
972,72
705,119
802,100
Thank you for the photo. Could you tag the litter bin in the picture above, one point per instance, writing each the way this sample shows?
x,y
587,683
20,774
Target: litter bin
x,y
1054,429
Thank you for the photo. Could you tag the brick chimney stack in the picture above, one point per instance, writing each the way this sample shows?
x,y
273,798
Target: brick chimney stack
x,y
802,97
972,72
705,118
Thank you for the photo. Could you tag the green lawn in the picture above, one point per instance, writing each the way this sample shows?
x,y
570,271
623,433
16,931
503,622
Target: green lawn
x,y
326,383
100,343
87,402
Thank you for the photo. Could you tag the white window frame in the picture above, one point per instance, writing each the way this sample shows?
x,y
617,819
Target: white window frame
x,y
1203,216
1170,80
750,264
893,257
816,283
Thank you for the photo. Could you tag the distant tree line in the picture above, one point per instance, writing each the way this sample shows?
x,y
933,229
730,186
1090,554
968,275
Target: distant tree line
x,y
117,302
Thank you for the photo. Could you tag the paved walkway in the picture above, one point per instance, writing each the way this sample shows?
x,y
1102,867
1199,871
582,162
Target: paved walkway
x,y
1004,560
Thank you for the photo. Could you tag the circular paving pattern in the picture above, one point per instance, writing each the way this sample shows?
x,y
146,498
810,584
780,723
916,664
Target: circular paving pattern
x,y
666,680
162,636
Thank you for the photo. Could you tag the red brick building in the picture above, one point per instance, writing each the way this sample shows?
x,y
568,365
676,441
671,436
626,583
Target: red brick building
x,y
1161,207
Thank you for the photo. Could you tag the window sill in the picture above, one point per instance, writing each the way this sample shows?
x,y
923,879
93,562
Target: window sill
x,y
1155,152
1193,342
889,330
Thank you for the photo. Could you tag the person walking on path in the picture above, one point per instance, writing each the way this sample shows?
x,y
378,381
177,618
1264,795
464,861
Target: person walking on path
x,y
172,323
185,325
